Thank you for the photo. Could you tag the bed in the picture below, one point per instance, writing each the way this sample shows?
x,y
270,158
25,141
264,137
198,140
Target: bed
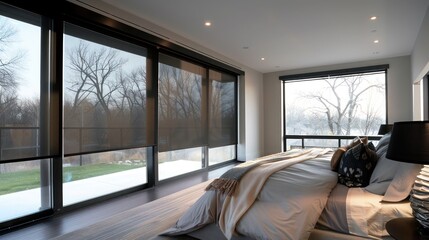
x,y
302,194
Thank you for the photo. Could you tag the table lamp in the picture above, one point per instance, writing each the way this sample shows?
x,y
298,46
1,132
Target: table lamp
x,y
409,143
385,128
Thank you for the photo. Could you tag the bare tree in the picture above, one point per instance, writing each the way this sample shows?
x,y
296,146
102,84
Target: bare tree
x,y
340,101
9,65
133,92
95,69
180,94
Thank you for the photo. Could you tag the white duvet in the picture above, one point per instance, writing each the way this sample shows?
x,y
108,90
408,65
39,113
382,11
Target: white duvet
x,y
286,205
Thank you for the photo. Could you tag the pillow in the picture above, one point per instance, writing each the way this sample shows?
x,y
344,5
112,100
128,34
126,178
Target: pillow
x,y
401,185
338,154
356,141
383,174
382,150
336,157
384,140
357,165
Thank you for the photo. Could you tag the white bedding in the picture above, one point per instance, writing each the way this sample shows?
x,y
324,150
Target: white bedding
x,y
367,215
361,213
287,207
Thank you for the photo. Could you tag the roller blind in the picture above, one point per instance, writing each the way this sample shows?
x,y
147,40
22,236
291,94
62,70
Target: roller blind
x,y
106,102
222,109
182,104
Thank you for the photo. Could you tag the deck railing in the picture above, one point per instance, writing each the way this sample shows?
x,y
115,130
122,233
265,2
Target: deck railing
x,y
341,140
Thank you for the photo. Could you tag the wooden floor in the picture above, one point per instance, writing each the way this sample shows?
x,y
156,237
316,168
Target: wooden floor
x,y
78,219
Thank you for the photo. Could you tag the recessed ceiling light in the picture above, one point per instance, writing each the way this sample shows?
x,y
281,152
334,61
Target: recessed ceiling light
x,y
373,18
207,23
262,58
376,41
246,47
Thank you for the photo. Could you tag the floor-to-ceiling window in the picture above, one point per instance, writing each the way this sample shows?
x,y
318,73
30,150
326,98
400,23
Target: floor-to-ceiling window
x,y
25,149
181,115
222,117
197,116
106,136
326,109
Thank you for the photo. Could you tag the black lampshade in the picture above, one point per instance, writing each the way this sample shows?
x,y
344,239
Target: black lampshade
x,y
385,128
409,142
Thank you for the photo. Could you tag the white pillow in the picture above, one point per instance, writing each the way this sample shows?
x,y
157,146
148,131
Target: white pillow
x,y
383,174
384,141
401,185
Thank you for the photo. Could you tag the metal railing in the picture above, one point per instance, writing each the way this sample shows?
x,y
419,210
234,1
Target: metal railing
x,y
339,139
6,140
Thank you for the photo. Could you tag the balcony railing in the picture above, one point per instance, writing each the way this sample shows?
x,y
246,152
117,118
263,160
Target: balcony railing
x,y
339,138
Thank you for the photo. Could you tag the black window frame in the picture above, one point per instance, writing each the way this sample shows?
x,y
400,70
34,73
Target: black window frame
x,y
54,18
326,74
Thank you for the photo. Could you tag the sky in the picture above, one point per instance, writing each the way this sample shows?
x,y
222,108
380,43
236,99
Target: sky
x,y
27,40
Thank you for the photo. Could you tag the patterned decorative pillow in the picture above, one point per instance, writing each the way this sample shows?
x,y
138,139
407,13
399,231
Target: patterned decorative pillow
x,y
338,154
357,165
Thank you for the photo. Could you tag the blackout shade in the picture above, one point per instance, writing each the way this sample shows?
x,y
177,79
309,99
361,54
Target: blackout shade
x,y
182,104
222,109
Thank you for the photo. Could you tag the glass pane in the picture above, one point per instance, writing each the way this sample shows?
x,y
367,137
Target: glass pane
x,y
221,154
180,114
19,89
346,105
321,143
222,109
177,162
94,175
293,144
21,191
105,93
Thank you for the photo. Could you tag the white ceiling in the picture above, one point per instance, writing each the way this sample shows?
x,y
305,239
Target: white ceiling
x,y
290,34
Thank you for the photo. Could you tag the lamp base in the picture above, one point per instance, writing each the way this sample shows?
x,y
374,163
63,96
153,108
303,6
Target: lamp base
x,y
419,199
423,232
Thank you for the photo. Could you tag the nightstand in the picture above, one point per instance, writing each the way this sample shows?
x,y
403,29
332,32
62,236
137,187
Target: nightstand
x,y
404,229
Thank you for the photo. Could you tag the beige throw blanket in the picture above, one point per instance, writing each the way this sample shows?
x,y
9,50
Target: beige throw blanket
x,y
252,182
230,179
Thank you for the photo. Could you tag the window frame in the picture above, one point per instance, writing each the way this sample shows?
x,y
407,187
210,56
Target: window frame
x,y
326,74
52,54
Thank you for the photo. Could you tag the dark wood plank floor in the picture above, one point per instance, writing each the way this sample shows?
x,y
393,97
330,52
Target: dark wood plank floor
x,y
79,218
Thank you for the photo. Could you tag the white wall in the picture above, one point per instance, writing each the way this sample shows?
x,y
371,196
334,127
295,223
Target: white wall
x,y
251,117
420,67
399,96
420,55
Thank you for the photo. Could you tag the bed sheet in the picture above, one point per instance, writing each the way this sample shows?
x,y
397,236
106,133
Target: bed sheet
x,y
361,213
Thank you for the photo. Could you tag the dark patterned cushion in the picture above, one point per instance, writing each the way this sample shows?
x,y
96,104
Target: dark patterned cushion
x,y
338,154
357,165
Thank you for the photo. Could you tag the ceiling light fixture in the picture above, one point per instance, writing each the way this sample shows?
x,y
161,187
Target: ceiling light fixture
x,y
207,23
262,58
376,41
373,18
